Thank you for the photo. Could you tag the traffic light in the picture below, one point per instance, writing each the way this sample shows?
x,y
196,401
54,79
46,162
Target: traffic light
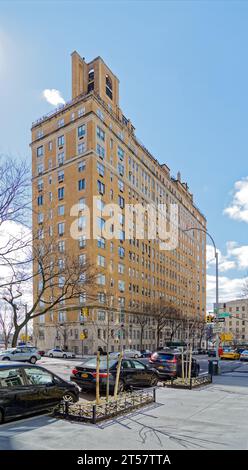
x,y
209,319
85,311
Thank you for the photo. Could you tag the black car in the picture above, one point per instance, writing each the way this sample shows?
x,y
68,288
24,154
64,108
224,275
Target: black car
x,y
26,389
169,364
133,374
146,353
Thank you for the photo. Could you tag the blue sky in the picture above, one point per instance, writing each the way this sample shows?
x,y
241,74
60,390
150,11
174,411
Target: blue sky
x,y
183,82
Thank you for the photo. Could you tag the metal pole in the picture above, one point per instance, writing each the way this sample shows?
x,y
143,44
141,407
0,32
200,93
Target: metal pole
x,y
217,303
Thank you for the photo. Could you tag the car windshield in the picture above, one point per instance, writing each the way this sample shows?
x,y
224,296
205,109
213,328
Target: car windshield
x,y
165,356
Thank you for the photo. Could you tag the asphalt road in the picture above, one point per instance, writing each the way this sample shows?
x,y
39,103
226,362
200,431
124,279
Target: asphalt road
x,y
63,367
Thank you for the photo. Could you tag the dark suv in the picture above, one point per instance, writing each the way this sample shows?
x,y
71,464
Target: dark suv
x,y
26,389
169,364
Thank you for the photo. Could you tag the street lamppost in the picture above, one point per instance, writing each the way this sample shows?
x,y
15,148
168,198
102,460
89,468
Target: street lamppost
x,y
216,280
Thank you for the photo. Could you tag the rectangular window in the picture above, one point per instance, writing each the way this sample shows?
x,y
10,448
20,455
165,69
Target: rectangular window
x,y
100,114
121,251
101,315
121,202
81,148
100,223
100,151
121,169
100,169
61,246
100,187
81,204
82,259
39,151
101,261
61,210
61,228
81,131
120,152
40,200
82,241
101,279
121,185
81,112
40,218
61,158
62,316
61,176
101,242
81,184
61,122
61,193
100,133
61,140
121,268
81,222
81,166
40,169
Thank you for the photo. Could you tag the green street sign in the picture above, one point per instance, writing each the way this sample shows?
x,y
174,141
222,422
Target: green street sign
x,y
223,315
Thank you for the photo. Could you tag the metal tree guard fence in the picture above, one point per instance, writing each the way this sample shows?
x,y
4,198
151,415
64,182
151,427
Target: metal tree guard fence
x,y
93,413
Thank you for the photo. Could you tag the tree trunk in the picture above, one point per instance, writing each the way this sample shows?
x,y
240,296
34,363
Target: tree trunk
x,y
15,337
141,338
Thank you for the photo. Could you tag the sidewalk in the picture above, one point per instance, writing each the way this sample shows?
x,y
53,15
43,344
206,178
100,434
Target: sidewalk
x,y
214,417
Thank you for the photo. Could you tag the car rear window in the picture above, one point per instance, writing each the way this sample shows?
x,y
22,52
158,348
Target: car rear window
x,y
11,378
91,363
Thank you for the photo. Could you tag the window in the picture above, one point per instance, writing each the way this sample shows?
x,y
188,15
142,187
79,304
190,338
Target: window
x,y
82,278
82,298
100,169
100,205
40,169
100,223
61,140
82,241
121,268
40,200
109,87
100,114
81,184
101,242
121,252
61,228
100,133
101,260
100,151
120,152
39,151
61,193
61,158
91,75
121,185
61,122
61,176
40,218
11,378
81,112
40,184
61,210
101,315
101,297
121,169
82,259
101,279
81,204
81,131
100,187
62,316
121,202
61,281
81,148
61,246
121,285
121,235
50,146
81,222
81,166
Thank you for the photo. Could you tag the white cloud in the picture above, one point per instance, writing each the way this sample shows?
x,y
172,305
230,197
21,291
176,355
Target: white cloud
x,y
238,209
53,96
229,289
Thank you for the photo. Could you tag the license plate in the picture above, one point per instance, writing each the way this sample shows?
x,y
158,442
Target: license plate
x,y
160,367
84,376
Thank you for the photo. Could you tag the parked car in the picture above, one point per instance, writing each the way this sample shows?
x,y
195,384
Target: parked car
x,y
230,355
169,364
244,355
201,351
126,353
145,353
241,349
133,374
56,352
26,389
21,353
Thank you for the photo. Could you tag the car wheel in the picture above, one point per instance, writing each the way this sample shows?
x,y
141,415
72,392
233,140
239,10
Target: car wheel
x,y
1,417
154,381
50,355
136,356
64,356
32,360
69,397
5,359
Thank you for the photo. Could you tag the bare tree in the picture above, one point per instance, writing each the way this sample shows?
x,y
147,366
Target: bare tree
x,y
165,314
58,277
6,325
